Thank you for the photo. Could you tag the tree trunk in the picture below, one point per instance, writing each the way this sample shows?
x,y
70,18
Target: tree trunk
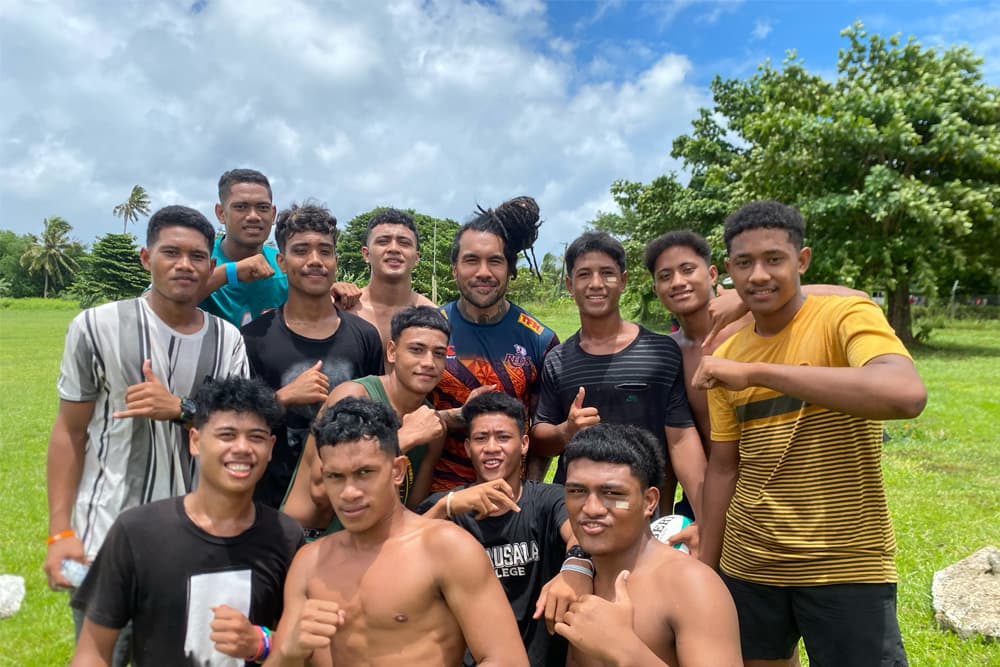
x,y
899,311
45,289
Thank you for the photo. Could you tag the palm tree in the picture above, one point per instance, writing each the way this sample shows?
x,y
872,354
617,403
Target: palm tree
x,y
137,204
49,254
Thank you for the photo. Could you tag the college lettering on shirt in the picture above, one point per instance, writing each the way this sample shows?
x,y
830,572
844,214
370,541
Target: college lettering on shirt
x,y
509,560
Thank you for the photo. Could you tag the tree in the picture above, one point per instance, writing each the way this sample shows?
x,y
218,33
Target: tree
x,y
113,271
351,266
529,288
22,283
50,254
129,210
895,165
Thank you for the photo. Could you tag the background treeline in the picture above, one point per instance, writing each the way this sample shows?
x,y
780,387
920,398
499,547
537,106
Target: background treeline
x,y
895,164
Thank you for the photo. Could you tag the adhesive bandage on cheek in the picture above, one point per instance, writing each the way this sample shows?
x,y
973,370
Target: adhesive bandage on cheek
x,y
616,504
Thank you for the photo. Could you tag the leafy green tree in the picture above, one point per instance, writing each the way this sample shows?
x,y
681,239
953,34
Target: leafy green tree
x,y
113,271
895,165
50,254
22,283
129,210
351,266
529,288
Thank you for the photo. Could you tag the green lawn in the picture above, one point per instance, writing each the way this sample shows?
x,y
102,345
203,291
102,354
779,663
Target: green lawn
x,y
942,470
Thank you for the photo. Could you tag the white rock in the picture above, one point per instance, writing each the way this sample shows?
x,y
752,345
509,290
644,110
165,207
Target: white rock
x,y
967,595
11,594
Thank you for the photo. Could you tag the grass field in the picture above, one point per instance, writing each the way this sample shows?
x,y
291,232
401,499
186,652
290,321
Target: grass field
x,y
942,470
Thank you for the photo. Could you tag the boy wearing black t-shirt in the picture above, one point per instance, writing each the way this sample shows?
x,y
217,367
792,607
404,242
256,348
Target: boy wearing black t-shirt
x,y
522,524
199,576
307,346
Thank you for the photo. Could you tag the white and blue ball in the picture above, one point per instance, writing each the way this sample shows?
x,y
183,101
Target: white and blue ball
x,y
666,526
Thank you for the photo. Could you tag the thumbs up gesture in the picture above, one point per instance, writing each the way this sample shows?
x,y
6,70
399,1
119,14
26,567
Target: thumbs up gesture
x,y
580,417
311,386
597,626
149,398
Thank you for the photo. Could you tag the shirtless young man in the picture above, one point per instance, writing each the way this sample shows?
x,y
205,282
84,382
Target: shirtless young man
x,y
419,339
391,250
393,588
652,605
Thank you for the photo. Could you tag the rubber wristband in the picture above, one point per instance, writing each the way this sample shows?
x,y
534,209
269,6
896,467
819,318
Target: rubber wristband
x,y
577,568
231,277
267,643
259,653
447,505
59,536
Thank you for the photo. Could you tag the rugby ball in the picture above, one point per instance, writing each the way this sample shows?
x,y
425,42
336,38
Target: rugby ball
x,y
666,526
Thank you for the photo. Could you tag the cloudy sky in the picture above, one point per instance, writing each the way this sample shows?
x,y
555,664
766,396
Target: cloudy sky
x,y
435,105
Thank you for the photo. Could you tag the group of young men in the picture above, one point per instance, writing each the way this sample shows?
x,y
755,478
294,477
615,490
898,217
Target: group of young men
x,y
180,437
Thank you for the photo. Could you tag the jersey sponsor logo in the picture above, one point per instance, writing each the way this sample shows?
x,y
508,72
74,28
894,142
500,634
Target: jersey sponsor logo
x,y
450,352
530,322
519,359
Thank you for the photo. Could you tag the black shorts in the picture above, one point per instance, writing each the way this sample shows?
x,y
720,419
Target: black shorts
x,y
841,624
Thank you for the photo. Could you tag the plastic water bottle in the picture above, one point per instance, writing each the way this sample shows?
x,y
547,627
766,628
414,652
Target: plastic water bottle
x,y
75,571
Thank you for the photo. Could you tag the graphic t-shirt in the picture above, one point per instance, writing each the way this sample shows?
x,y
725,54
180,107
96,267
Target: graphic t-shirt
x,y
278,355
128,462
526,550
243,302
159,570
507,354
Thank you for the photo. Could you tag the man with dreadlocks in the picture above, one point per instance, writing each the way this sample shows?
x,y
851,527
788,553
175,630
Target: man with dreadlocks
x,y
494,344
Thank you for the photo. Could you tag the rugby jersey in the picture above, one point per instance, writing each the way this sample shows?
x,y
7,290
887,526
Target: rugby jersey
x,y
809,506
133,461
508,354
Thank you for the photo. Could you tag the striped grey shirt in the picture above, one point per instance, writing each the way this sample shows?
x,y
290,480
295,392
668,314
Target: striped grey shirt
x,y
129,462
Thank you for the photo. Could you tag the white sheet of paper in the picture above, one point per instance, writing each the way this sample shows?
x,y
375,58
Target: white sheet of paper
x,y
204,592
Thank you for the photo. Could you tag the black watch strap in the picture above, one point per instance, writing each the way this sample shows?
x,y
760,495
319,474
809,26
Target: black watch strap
x,y
576,551
188,408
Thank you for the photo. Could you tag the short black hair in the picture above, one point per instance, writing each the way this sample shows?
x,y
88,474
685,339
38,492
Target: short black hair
x,y
237,394
311,216
427,317
392,216
595,242
179,216
685,238
494,402
765,214
515,222
620,443
351,419
236,176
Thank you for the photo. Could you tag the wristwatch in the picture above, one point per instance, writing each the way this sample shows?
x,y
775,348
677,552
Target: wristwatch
x,y
576,551
188,408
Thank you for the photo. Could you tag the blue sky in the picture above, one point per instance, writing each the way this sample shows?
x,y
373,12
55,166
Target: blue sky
x,y
437,106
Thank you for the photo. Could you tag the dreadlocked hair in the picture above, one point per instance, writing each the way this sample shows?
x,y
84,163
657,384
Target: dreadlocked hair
x,y
516,222
519,217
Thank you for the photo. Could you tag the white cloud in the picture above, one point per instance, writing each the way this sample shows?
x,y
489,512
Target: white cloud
x,y
436,106
761,29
